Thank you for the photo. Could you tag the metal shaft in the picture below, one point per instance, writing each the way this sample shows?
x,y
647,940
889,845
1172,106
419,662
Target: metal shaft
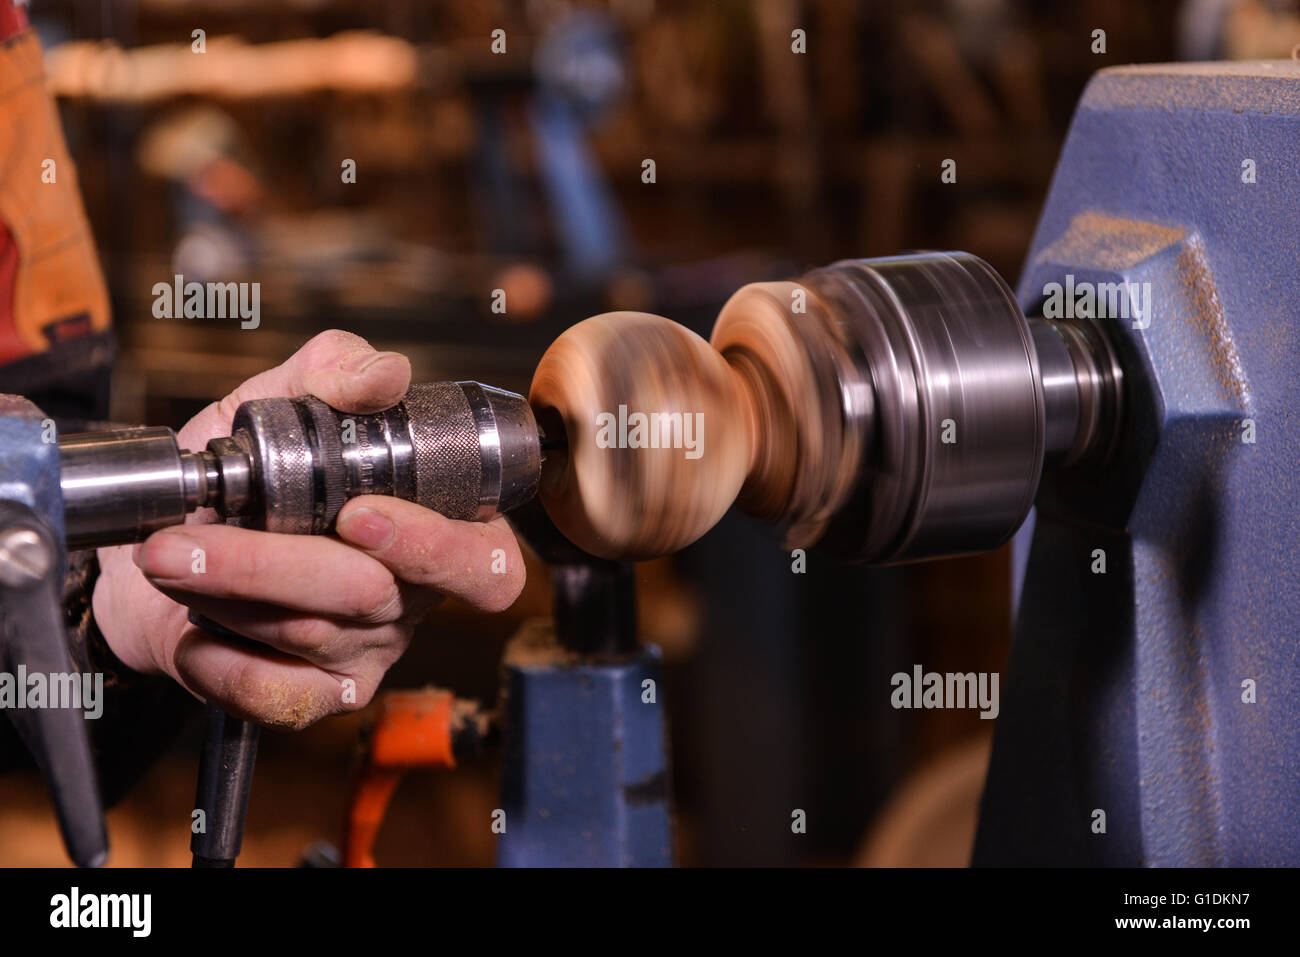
x,y
1082,390
463,449
225,779
122,486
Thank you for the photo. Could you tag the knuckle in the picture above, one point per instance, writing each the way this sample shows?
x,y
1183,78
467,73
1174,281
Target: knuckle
x,y
334,337
229,405
315,637
278,702
333,343
291,705
375,601
365,690
295,720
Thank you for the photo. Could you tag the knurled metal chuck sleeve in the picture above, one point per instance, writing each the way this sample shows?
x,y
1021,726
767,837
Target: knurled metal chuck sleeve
x,y
463,449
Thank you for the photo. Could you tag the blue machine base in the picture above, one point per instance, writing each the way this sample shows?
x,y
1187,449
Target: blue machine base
x,y
585,781
1151,714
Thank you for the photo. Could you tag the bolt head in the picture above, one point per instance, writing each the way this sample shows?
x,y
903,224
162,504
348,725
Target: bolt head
x,y
24,557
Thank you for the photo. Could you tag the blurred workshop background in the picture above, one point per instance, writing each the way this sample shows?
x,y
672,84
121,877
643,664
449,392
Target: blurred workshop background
x,y
524,171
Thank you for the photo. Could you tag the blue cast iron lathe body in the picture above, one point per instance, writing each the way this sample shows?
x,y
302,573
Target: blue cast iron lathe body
x,y
1161,698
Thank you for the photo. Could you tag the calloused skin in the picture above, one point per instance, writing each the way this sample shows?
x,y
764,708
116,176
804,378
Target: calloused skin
x,y
323,609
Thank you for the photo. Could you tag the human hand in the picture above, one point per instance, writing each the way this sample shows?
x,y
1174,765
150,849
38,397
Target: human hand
x,y
322,611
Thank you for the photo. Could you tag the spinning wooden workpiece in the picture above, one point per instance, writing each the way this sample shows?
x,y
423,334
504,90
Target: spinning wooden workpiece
x,y
890,409
664,431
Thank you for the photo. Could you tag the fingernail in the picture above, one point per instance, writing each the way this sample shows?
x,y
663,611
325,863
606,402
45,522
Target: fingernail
x,y
362,361
367,528
167,555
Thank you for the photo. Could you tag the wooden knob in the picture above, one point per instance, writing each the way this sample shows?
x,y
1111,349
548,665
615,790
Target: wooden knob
x,y
661,431
659,435
784,342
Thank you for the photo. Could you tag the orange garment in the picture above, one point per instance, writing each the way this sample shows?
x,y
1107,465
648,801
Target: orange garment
x,y
51,286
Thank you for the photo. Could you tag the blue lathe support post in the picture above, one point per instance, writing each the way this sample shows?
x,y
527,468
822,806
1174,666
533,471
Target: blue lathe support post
x,y
1151,714
585,781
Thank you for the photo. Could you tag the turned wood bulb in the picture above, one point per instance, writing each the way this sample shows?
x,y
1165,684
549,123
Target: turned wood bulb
x,y
658,435
663,431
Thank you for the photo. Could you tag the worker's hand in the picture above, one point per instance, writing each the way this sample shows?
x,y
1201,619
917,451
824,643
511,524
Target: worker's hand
x,y
328,615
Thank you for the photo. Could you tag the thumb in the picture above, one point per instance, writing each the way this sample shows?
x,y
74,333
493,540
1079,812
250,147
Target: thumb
x,y
339,368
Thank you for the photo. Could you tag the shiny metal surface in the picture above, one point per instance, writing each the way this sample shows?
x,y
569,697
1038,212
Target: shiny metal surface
x,y
229,474
1098,384
24,557
1060,390
489,443
274,437
377,455
290,465
951,404
120,486
452,447
511,453
959,430
447,460
326,440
